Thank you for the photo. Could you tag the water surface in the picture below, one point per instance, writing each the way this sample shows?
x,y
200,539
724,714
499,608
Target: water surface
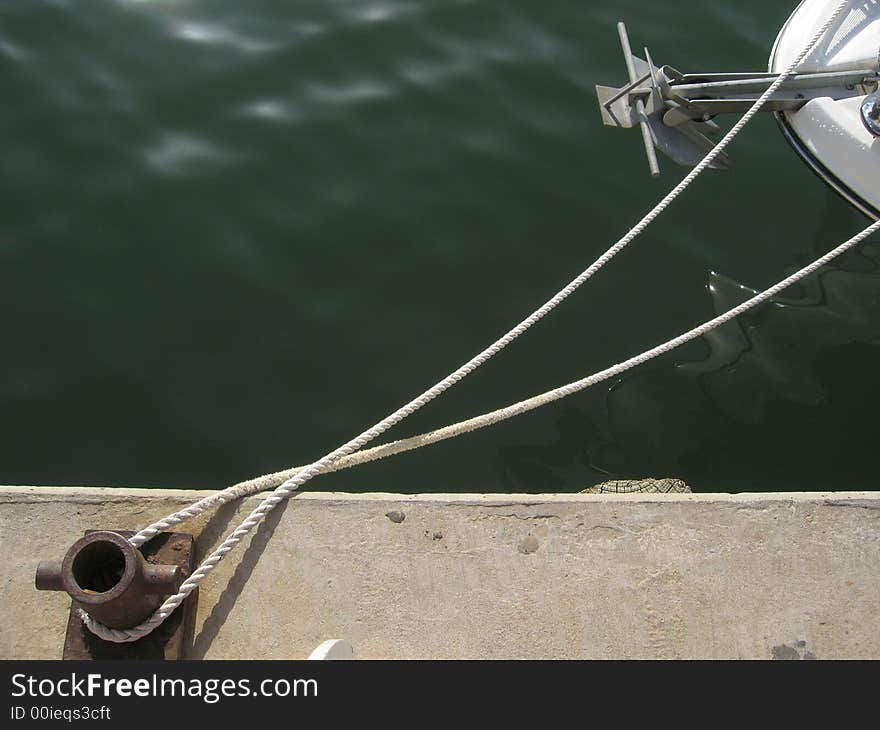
x,y
233,235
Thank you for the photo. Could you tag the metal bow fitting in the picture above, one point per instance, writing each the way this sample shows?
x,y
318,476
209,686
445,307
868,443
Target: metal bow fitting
x,y
871,113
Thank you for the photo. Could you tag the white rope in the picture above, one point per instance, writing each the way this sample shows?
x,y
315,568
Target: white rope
x,y
365,456
323,464
530,404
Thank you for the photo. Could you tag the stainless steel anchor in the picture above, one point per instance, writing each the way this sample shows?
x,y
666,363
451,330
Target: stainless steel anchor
x,y
676,111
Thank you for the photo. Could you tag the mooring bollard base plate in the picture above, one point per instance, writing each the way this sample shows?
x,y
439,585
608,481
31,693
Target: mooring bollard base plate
x,y
172,638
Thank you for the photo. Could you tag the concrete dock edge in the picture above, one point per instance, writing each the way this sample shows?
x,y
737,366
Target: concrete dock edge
x,y
754,575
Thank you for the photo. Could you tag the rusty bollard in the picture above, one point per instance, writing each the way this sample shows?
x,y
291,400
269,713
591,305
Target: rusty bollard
x,y
107,577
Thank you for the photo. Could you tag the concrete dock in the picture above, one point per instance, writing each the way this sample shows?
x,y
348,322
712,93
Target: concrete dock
x,y
761,576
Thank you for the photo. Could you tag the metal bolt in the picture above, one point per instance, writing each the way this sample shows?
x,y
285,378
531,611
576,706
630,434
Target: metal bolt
x,y
871,113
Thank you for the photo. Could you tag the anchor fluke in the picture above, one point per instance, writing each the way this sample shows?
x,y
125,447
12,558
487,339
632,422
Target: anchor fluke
x,y
642,103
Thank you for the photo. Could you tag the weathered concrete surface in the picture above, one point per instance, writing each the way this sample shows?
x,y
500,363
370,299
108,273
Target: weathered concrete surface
x,y
564,576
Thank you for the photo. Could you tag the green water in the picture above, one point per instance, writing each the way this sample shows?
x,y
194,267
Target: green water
x,y
233,235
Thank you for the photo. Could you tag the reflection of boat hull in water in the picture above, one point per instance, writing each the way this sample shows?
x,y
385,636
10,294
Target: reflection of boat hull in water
x,y
764,401
769,404
829,134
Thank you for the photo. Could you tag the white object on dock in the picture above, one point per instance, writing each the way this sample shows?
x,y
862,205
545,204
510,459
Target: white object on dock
x,y
333,649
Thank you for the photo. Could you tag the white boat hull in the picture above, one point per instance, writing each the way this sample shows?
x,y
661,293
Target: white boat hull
x,y
829,134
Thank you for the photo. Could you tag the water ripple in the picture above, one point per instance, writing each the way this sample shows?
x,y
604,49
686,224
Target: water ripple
x,y
219,213
219,35
13,52
380,11
179,154
350,92
272,110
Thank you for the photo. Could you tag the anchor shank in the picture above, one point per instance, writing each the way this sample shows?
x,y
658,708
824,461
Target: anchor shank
x,y
639,104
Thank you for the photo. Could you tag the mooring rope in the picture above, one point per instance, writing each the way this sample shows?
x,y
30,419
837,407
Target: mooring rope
x,y
326,462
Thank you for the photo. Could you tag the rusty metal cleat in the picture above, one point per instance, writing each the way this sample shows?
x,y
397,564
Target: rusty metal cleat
x,y
109,579
120,586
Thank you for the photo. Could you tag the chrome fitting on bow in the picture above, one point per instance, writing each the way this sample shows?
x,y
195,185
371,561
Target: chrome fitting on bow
x,y
871,113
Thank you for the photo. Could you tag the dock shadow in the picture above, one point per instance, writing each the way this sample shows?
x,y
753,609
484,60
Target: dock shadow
x,y
222,608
